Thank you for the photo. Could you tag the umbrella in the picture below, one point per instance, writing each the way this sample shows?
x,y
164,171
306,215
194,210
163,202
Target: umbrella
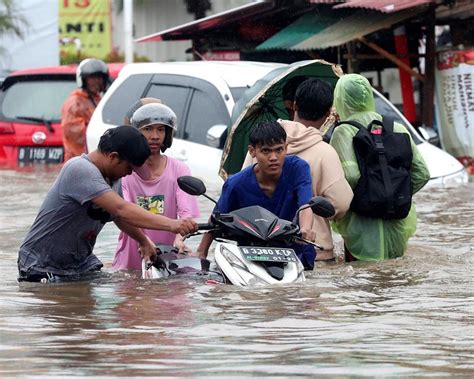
x,y
264,101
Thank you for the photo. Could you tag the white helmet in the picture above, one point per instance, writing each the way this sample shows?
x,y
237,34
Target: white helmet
x,y
91,66
156,113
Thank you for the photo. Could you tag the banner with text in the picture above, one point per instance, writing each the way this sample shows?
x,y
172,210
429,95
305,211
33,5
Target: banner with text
x,y
85,28
455,103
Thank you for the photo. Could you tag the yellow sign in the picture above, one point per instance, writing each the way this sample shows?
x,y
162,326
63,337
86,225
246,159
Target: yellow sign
x,y
85,28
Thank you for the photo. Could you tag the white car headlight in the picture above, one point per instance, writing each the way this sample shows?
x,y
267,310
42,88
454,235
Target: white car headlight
x,y
460,177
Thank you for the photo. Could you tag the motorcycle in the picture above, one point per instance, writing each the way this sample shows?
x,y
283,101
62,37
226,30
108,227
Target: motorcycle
x,y
253,245
170,262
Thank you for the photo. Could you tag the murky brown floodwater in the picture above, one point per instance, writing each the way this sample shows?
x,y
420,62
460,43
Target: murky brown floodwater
x,y
409,317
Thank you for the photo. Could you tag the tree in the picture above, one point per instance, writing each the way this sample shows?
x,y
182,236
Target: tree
x,y
10,21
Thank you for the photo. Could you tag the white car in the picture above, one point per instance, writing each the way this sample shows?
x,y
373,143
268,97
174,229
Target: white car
x,y
203,94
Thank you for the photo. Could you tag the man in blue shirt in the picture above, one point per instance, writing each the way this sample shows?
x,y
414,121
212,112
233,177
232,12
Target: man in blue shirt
x,y
278,183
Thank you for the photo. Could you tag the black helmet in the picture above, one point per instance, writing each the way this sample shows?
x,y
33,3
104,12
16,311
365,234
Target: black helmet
x,y
91,66
156,113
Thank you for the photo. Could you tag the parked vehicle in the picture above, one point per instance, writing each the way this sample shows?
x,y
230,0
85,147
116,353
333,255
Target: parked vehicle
x,y
254,245
203,94
30,114
3,75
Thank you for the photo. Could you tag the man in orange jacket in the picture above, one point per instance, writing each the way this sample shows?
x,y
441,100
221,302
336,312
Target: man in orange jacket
x,y
92,76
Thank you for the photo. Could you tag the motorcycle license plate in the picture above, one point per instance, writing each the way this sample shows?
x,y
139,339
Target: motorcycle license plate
x,y
268,254
40,154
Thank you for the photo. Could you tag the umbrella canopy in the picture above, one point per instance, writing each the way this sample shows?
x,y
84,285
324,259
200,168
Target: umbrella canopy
x,y
264,101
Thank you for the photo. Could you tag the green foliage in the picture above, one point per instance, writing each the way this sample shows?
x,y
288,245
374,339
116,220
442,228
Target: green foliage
x,y
117,57
113,57
10,22
71,58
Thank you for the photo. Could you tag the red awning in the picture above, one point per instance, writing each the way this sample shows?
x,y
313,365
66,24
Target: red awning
x,y
187,31
386,6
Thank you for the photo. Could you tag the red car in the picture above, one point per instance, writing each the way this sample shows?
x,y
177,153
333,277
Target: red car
x,y
30,114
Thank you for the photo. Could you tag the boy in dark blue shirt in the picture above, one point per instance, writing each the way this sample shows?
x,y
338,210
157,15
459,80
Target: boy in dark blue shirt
x,y
278,183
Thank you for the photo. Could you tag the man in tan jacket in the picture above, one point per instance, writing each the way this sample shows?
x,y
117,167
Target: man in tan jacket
x,y
313,103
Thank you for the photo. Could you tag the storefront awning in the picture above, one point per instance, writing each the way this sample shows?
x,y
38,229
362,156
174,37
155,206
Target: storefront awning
x,y
303,28
386,6
321,31
219,20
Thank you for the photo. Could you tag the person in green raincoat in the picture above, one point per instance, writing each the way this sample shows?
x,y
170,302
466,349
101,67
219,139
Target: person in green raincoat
x,y
369,239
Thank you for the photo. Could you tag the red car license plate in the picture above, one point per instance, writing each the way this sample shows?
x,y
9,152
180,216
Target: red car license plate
x,y
44,154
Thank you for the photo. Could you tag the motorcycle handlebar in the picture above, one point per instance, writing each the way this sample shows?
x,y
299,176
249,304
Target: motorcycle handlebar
x,y
201,226
205,226
298,238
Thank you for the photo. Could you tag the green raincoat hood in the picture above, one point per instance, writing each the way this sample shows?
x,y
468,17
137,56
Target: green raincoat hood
x,y
353,94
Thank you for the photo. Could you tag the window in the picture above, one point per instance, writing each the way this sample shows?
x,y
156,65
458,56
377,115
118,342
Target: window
x,y
237,92
123,98
206,110
196,102
175,97
40,99
385,108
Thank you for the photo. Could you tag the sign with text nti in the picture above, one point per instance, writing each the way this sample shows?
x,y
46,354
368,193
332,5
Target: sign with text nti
x,y
85,27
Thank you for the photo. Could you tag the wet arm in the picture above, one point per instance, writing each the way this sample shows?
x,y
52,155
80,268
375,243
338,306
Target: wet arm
x,y
224,205
133,215
204,245
306,224
146,245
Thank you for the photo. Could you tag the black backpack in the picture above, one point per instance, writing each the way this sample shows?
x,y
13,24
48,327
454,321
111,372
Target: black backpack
x,y
384,189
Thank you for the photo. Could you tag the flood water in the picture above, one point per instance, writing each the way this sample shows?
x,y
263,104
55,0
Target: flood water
x,y
410,317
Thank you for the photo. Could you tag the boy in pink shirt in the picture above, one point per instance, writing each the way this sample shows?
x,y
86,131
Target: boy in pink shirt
x,y
158,192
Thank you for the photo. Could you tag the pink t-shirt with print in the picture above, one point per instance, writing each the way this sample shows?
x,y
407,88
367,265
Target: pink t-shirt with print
x,y
160,196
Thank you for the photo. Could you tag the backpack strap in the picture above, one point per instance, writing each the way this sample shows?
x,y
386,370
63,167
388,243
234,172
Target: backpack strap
x,y
380,148
387,123
356,124
327,136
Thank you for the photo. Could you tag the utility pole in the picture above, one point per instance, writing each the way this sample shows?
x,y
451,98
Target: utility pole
x,y
128,30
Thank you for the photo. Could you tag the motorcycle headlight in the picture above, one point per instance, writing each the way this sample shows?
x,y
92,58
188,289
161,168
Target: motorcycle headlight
x,y
232,258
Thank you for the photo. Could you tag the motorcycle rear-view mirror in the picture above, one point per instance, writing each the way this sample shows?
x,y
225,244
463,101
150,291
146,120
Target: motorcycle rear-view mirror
x,y
191,185
322,207
319,205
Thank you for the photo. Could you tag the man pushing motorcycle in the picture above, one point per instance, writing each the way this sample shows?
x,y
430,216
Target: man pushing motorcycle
x,y
277,182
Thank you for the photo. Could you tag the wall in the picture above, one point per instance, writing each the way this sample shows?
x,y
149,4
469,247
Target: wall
x,y
151,16
39,45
